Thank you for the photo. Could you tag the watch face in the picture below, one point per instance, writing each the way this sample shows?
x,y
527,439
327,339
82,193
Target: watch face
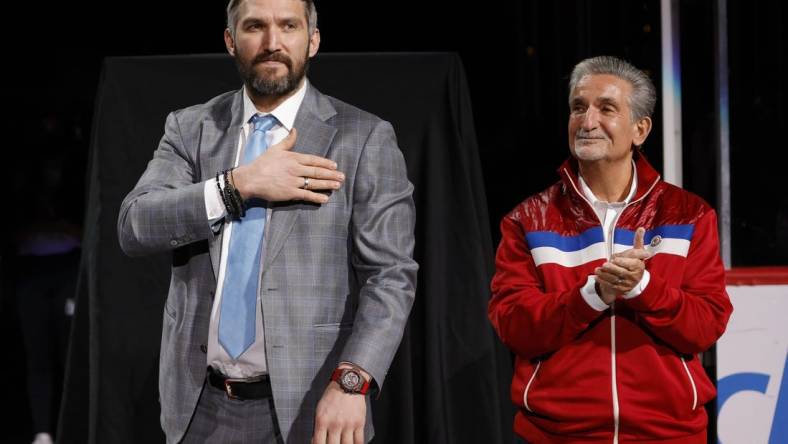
x,y
351,380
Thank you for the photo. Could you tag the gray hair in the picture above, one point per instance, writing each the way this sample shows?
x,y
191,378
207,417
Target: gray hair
x,y
232,15
644,94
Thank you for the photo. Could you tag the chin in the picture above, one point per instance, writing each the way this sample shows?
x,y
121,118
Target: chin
x,y
589,153
270,73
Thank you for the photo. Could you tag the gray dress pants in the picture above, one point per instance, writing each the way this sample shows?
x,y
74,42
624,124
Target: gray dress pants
x,y
219,419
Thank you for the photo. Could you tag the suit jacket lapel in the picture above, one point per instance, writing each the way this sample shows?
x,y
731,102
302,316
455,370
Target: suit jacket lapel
x,y
218,146
314,137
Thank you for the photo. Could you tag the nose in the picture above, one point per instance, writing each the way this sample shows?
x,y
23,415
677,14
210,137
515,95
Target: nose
x,y
590,118
271,40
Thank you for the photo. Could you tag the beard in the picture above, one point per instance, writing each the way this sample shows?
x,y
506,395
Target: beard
x,y
589,153
590,150
266,84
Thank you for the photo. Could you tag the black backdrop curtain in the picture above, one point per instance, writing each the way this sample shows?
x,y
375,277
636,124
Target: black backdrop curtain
x,y
449,380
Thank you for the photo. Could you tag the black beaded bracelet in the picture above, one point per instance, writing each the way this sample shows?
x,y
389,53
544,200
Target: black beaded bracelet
x,y
237,194
227,205
230,193
227,197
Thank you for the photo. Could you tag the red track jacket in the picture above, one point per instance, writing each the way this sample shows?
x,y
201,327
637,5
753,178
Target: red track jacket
x,y
630,373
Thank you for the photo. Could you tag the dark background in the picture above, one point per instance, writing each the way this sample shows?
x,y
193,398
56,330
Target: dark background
x,y
517,55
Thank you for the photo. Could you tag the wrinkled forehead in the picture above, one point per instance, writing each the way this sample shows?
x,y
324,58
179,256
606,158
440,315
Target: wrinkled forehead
x,y
593,87
279,9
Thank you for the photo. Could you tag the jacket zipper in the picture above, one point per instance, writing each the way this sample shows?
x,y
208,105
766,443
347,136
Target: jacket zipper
x,y
609,245
613,376
528,387
692,383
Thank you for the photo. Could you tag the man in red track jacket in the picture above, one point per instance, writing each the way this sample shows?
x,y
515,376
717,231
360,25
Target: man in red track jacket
x,y
609,283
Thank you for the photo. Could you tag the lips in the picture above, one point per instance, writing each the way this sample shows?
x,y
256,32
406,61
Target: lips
x,y
264,59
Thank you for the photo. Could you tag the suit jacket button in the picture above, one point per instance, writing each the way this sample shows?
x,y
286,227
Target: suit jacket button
x,y
203,348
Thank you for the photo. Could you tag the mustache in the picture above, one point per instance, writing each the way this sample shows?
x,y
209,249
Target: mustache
x,y
582,134
273,57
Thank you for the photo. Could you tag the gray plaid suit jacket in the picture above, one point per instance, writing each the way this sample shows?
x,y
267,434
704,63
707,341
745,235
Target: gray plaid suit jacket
x,y
338,279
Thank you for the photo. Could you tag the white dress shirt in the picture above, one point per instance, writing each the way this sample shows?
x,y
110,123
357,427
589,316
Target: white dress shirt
x,y
608,213
252,361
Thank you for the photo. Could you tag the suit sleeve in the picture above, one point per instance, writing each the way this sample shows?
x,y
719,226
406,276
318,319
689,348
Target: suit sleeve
x,y
382,236
690,318
530,321
166,209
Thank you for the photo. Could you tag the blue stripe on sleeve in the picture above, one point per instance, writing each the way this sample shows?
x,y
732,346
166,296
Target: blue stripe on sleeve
x,y
627,237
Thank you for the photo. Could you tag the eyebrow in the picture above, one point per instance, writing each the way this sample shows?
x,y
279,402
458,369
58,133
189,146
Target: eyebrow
x,y
608,101
251,20
285,19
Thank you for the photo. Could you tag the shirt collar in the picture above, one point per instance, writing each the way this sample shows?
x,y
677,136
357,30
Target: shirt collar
x,y
593,199
285,113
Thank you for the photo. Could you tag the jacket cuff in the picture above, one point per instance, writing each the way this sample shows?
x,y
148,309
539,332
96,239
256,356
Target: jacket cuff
x,y
360,354
640,287
588,291
652,298
580,308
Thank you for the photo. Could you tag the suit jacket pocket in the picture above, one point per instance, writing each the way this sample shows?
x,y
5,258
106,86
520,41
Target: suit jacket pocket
x,y
334,326
331,337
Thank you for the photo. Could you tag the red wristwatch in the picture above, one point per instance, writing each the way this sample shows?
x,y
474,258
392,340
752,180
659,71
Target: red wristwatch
x,y
350,380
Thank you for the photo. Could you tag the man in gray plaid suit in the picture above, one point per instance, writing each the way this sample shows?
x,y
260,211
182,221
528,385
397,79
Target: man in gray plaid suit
x,y
332,280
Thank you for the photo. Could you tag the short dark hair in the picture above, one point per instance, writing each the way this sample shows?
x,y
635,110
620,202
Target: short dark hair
x,y
232,15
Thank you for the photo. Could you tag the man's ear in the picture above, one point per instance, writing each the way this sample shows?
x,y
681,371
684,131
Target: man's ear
x,y
314,43
642,130
228,42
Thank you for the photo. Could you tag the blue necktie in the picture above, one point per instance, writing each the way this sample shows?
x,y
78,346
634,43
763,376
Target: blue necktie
x,y
242,273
